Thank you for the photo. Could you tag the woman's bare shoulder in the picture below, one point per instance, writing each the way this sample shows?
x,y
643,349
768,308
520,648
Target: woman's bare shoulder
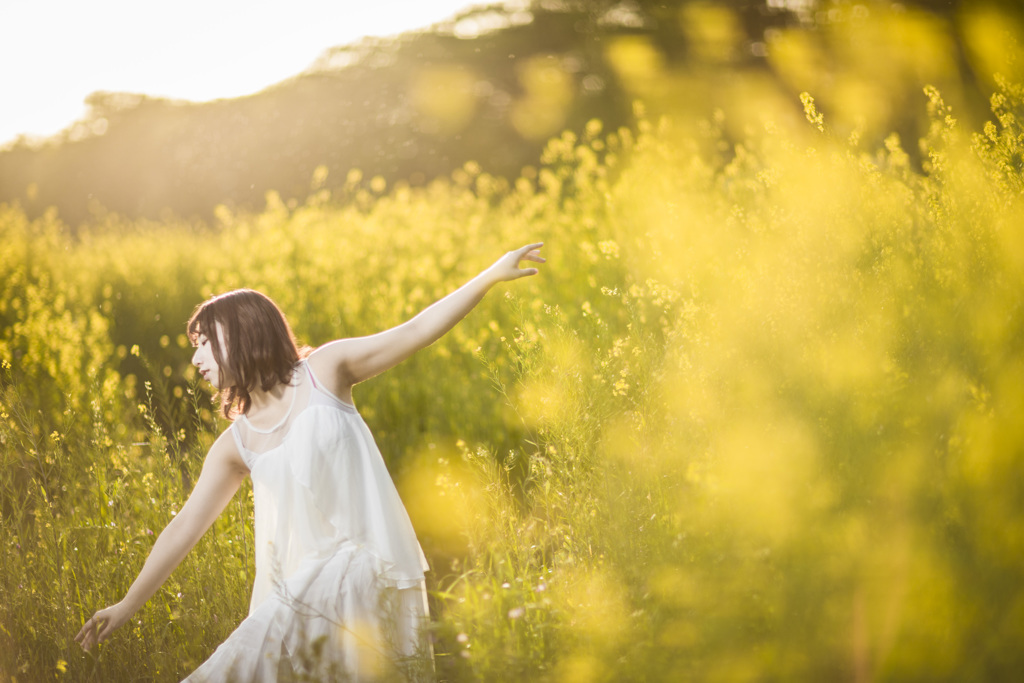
x,y
225,450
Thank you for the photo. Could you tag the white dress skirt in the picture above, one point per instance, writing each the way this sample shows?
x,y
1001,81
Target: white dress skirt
x,y
339,592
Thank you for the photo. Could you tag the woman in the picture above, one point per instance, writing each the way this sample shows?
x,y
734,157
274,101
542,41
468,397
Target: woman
x,y
339,587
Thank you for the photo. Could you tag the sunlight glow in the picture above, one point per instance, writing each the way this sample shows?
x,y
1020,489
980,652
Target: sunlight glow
x,y
57,52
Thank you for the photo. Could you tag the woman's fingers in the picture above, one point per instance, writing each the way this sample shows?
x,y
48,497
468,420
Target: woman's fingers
x,y
94,631
524,272
530,251
84,637
507,267
533,256
86,628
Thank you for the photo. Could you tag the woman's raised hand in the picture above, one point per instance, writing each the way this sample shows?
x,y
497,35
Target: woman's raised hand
x,y
507,267
100,625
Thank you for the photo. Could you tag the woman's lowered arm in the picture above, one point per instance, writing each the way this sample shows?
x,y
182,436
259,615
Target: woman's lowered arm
x,y
223,472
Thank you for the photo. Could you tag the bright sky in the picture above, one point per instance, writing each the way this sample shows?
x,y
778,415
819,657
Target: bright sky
x,y
55,52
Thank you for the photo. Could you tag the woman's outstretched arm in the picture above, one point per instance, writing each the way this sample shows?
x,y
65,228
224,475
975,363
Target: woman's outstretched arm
x,y
349,361
222,474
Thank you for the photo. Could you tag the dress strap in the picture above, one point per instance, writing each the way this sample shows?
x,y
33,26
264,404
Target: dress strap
x,y
309,371
324,391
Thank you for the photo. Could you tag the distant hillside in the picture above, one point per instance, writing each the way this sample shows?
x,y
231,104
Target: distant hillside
x,y
414,108
491,85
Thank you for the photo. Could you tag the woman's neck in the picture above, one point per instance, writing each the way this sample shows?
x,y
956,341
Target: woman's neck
x,y
261,401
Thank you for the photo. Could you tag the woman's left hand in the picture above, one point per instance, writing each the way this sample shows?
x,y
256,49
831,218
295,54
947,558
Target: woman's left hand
x,y
507,267
100,625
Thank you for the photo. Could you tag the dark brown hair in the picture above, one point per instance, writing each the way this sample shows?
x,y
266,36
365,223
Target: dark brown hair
x,y
261,348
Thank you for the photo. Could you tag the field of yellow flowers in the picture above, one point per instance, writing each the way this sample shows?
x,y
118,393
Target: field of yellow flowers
x,y
758,419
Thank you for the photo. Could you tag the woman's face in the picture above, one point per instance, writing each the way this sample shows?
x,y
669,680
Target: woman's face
x,y
204,360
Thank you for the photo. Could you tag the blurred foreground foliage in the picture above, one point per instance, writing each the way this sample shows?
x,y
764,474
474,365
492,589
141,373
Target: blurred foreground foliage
x,y
758,419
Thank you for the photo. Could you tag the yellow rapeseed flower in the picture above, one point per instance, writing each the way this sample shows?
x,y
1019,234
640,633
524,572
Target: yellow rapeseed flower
x,y
610,248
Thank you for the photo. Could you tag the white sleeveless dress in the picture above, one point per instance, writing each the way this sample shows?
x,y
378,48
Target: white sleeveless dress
x,y
339,591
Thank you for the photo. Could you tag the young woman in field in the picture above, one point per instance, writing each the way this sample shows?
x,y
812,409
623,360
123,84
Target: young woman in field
x,y
339,571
